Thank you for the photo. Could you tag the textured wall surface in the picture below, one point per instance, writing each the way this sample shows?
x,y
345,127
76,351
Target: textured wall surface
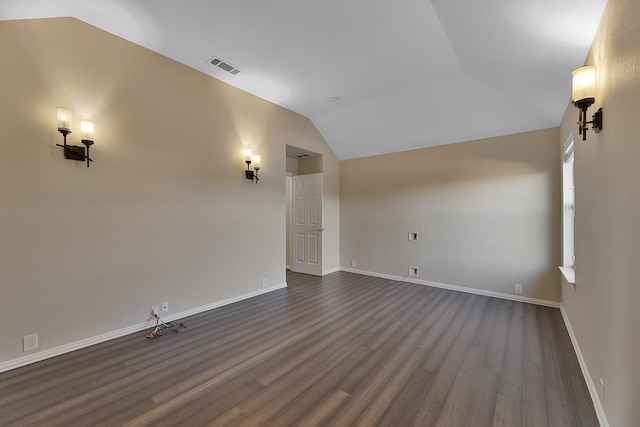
x,y
603,310
486,213
164,212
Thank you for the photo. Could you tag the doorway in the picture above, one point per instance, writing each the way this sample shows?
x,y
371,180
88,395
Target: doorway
x,y
304,211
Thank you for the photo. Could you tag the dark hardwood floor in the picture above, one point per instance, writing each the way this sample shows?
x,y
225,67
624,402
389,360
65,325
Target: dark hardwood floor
x,y
335,351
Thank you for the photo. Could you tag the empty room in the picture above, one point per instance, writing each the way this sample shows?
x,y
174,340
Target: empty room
x,y
413,213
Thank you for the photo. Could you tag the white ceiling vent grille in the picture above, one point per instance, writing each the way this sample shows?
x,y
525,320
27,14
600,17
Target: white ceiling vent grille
x,y
221,63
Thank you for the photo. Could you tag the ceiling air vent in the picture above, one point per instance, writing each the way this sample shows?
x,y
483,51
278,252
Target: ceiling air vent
x,y
220,63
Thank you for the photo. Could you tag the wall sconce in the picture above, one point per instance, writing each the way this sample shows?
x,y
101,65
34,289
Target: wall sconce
x,y
583,92
75,152
248,159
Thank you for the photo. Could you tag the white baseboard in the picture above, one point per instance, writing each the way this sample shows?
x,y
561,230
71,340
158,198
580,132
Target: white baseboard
x,y
519,298
591,385
333,270
57,351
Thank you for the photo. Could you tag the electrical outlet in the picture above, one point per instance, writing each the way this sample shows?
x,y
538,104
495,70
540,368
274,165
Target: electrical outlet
x,y
353,264
165,307
518,288
29,342
413,236
264,282
154,310
413,271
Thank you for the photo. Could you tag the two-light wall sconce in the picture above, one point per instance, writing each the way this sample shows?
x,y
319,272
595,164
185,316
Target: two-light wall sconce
x,y
75,152
250,158
583,95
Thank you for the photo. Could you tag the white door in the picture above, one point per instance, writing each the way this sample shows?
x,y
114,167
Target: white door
x,y
307,224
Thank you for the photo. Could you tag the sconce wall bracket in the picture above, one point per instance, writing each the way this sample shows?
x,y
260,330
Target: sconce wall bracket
x,y
75,152
596,119
249,174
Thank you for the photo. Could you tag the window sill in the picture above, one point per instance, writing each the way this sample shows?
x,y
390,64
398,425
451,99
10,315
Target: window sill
x,y
569,274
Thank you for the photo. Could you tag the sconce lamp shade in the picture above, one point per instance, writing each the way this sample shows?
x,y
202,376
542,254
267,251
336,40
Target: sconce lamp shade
x,y
247,155
583,95
256,162
583,90
86,131
64,120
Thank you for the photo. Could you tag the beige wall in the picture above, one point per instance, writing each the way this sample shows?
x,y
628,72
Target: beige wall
x,y
603,310
163,214
309,165
487,214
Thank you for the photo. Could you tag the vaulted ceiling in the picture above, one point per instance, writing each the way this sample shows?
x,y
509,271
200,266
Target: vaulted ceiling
x,y
373,76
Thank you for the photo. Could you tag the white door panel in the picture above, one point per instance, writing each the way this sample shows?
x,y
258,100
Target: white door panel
x,y
307,224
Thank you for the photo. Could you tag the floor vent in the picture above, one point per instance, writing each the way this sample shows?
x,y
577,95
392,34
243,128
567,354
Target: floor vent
x,y
220,63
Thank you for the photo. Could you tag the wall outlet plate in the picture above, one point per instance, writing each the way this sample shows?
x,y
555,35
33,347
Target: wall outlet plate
x,y
30,342
264,282
165,307
518,288
413,271
353,264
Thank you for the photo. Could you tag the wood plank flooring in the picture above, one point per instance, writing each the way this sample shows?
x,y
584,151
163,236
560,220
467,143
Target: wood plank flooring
x,y
340,350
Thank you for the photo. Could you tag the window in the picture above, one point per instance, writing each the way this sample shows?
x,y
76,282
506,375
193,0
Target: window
x,y
568,212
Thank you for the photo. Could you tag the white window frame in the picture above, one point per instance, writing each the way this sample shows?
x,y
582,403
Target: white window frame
x,y
568,211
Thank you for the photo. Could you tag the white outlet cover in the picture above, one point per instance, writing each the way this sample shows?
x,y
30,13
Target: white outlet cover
x,y
30,342
165,307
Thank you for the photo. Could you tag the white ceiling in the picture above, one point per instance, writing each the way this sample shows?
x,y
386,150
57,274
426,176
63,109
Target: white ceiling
x,y
408,73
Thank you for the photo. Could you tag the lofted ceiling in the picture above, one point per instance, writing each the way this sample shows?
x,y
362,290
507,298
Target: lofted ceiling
x,y
374,77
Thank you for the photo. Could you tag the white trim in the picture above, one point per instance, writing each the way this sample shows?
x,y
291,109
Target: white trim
x,y
57,351
332,270
593,391
501,295
569,274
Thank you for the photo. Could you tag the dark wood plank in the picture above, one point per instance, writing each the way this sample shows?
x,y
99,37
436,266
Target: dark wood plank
x,y
344,349
532,345
445,360
507,413
456,406
534,411
483,401
496,346
511,378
